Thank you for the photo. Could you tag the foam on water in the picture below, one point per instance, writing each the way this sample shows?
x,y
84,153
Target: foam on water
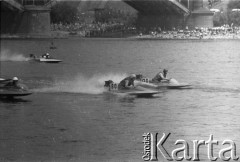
x,y
81,84
7,55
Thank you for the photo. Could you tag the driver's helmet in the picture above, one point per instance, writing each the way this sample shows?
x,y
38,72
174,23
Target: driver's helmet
x,y
133,76
165,70
47,54
15,79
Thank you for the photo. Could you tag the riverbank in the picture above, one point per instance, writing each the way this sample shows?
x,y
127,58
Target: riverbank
x,y
159,36
184,37
59,34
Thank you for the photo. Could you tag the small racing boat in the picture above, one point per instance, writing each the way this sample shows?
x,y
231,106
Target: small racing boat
x,y
10,90
49,60
32,57
137,91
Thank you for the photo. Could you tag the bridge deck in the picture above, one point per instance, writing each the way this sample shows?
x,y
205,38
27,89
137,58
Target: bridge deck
x,y
12,5
156,7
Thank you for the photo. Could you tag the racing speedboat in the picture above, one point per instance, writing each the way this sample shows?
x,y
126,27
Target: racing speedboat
x,y
137,91
9,90
171,84
32,57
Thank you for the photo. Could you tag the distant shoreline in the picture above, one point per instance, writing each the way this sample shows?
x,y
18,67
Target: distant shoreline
x,y
149,37
66,35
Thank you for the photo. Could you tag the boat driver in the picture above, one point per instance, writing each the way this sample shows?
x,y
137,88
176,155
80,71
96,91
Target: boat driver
x,y
46,55
161,76
127,82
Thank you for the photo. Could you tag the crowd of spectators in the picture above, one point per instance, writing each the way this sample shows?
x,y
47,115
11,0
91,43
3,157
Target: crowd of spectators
x,y
99,29
91,29
223,32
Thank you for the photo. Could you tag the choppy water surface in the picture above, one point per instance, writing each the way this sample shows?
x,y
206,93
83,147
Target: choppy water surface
x,y
70,118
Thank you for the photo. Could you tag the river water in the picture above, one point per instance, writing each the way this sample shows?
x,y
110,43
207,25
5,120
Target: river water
x,y
69,118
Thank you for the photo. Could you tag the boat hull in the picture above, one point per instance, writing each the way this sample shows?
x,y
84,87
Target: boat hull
x,y
46,60
137,91
164,85
49,60
11,94
7,91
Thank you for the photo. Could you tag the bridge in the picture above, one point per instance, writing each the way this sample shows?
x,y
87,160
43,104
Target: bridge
x,y
173,13
32,17
26,17
158,7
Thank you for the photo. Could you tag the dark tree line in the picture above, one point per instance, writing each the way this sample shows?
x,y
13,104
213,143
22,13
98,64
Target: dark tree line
x,y
234,17
234,4
228,17
64,12
67,13
108,14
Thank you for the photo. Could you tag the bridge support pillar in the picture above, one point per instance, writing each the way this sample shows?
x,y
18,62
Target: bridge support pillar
x,y
200,16
200,20
35,22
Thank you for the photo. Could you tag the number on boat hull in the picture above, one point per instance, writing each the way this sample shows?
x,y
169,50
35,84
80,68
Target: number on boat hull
x,y
145,80
113,87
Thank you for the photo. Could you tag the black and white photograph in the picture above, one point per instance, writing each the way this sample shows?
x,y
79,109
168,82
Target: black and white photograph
x,y
120,80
